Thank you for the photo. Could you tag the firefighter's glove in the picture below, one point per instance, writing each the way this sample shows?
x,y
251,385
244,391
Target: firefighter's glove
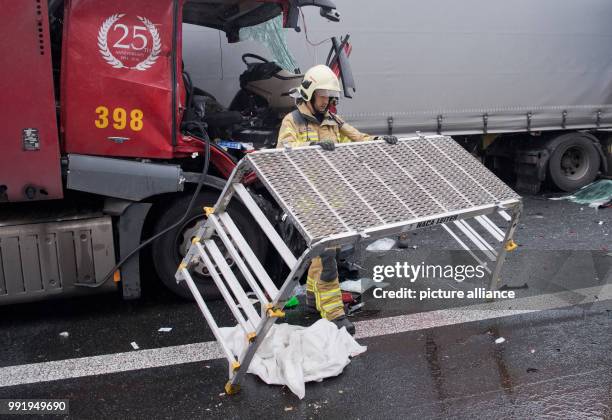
x,y
325,144
388,139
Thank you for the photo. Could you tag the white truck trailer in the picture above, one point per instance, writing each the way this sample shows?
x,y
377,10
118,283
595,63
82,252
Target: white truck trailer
x,y
526,84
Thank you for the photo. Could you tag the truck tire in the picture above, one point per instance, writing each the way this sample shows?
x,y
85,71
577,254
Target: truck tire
x,y
168,251
574,161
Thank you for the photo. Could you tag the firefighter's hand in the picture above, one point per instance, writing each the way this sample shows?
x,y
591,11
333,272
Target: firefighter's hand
x,y
388,139
325,144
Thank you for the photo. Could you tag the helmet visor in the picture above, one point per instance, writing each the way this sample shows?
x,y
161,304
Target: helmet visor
x,y
327,92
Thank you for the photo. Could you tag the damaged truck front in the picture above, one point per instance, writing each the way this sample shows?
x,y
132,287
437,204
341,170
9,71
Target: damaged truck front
x,y
106,141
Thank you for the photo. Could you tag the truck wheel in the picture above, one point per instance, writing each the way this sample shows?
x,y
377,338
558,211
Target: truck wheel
x,y
574,162
169,250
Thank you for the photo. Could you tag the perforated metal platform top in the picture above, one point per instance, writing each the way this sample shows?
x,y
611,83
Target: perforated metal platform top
x,y
363,186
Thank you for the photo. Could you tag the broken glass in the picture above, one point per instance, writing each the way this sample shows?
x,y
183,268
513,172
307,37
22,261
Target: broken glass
x,y
272,35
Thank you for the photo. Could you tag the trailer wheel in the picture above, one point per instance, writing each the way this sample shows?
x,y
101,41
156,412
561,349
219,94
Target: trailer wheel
x,y
574,161
168,251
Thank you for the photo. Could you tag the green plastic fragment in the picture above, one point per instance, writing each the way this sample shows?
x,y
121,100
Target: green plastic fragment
x,y
292,303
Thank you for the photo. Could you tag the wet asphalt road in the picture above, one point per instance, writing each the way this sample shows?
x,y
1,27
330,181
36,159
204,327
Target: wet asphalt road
x,y
553,364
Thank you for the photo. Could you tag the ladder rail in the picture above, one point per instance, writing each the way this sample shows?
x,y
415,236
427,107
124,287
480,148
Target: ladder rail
x,y
516,214
185,276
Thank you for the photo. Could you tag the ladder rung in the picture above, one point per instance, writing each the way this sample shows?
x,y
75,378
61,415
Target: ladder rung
x,y
246,326
467,248
207,315
239,262
477,235
265,225
249,256
494,226
475,238
487,224
233,282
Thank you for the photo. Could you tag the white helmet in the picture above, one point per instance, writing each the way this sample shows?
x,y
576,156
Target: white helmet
x,y
319,78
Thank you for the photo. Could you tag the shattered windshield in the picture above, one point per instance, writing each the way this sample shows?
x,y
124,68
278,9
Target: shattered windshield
x,y
272,35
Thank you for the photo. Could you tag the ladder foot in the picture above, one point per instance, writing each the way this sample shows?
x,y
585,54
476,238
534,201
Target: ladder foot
x,y
231,389
273,312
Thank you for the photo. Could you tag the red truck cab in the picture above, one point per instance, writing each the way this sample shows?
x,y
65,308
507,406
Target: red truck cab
x,y
103,136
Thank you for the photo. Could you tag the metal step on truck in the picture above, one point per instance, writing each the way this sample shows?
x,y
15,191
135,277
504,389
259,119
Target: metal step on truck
x,y
106,141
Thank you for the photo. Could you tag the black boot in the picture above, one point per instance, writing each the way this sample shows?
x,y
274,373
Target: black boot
x,y
343,321
311,305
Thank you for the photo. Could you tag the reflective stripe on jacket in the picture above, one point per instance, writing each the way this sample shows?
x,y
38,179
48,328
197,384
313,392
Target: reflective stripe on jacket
x,y
300,128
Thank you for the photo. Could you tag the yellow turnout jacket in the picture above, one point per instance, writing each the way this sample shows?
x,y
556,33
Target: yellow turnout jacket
x,y
300,127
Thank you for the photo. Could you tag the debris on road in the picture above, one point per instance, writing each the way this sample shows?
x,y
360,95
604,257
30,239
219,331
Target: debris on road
x,y
597,194
355,308
64,334
357,286
403,241
299,290
252,299
384,244
134,345
508,287
500,340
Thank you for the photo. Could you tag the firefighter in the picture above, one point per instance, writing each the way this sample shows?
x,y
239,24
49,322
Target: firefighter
x,y
312,123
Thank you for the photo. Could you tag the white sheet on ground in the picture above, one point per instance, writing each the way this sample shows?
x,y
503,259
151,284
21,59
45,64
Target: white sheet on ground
x,y
292,355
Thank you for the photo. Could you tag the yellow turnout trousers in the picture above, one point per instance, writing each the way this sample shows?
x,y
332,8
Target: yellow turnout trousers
x,y
322,284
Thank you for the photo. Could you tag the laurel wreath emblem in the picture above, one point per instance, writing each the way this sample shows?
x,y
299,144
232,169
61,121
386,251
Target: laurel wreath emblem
x,y
155,50
108,56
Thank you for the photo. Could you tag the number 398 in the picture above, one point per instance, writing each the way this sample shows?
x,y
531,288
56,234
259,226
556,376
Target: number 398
x,y
119,118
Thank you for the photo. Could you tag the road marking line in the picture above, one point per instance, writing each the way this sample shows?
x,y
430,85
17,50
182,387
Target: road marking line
x,y
205,351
